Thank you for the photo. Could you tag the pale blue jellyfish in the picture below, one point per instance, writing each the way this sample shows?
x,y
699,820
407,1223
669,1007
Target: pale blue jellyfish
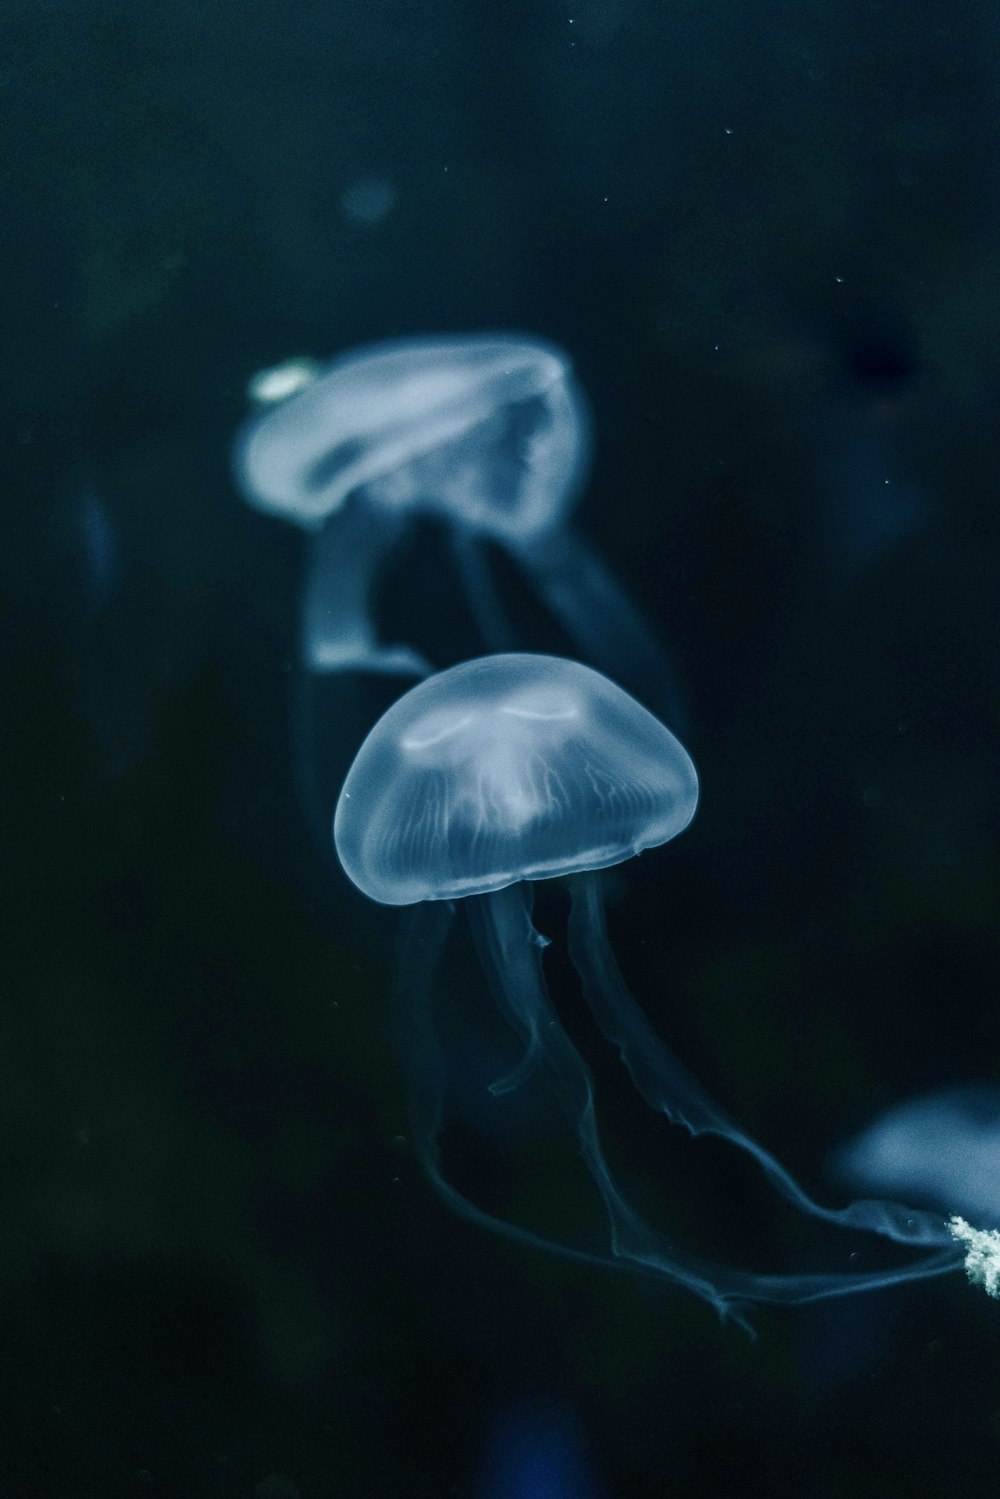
x,y
489,434
516,768
942,1149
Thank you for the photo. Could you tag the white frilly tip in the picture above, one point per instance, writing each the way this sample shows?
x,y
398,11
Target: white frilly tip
x,y
982,1254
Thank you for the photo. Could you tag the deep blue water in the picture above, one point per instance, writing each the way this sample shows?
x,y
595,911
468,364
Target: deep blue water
x,y
768,237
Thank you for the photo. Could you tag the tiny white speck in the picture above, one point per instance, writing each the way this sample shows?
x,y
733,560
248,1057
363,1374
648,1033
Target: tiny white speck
x,y
728,130
839,280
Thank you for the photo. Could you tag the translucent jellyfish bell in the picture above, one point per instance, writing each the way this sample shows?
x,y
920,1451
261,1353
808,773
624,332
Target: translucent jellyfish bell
x,y
514,768
491,428
488,433
503,769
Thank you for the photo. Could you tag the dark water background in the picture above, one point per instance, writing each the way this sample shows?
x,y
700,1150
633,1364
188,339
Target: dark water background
x,y
769,235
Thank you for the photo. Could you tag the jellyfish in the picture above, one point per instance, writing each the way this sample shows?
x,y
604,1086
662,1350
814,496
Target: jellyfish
x,y
942,1149
516,768
488,434
279,468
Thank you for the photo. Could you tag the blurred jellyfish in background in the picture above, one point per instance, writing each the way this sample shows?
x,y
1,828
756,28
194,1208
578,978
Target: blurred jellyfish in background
x,y
276,471
487,434
122,646
942,1150
516,768
536,1450
100,546
368,200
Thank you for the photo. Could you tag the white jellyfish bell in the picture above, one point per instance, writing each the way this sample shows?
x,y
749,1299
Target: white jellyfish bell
x,y
489,434
516,768
504,769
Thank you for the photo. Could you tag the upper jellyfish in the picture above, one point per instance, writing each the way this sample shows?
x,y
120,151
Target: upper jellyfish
x,y
489,432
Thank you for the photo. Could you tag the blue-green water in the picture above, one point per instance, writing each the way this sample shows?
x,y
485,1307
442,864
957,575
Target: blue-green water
x,y
767,238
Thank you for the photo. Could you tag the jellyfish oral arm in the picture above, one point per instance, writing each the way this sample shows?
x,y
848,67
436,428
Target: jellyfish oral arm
x,y
426,930
481,595
510,952
599,617
669,1088
337,629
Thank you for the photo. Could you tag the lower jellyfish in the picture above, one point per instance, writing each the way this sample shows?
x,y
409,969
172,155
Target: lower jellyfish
x,y
515,768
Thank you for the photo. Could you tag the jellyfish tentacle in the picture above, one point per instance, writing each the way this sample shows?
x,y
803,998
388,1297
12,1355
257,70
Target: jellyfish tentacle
x,y
667,1086
503,933
518,1076
426,931
345,557
600,618
481,595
